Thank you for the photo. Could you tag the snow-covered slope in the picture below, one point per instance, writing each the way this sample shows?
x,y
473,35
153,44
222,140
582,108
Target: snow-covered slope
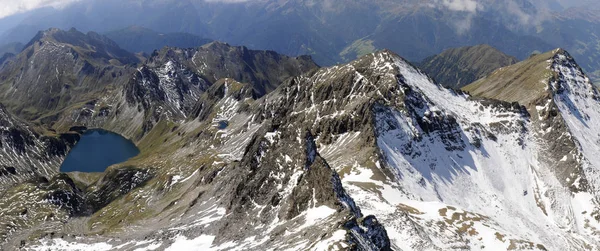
x,y
478,158
465,172
579,104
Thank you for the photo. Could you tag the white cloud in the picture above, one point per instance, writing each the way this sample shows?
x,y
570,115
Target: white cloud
x,y
465,11
463,25
461,5
10,7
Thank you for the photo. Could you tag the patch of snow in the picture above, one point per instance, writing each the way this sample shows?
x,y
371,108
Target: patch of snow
x,y
338,237
60,244
203,242
315,214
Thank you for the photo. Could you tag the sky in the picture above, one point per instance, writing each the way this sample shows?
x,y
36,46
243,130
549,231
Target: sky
x,y
10,7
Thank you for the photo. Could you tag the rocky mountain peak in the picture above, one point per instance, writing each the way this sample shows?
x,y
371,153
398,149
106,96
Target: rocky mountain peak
x,y
56,67
564,64
92,44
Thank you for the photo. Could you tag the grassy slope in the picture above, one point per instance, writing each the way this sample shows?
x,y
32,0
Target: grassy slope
x,y
522,82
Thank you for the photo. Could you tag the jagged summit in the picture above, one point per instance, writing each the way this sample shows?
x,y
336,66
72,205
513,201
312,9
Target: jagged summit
x,y
216,60
566,67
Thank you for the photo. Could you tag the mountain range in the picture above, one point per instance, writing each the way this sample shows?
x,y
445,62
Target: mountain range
x,y
140,39
251,150
329,31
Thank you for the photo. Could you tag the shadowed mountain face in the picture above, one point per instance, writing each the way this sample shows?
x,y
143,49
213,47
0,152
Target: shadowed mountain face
x,y
456,68
140,39
12,48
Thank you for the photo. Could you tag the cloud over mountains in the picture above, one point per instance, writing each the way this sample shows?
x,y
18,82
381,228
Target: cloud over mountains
x,y
11,7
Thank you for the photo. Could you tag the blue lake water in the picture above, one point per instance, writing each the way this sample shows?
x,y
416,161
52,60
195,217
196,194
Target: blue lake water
x,y
97,150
